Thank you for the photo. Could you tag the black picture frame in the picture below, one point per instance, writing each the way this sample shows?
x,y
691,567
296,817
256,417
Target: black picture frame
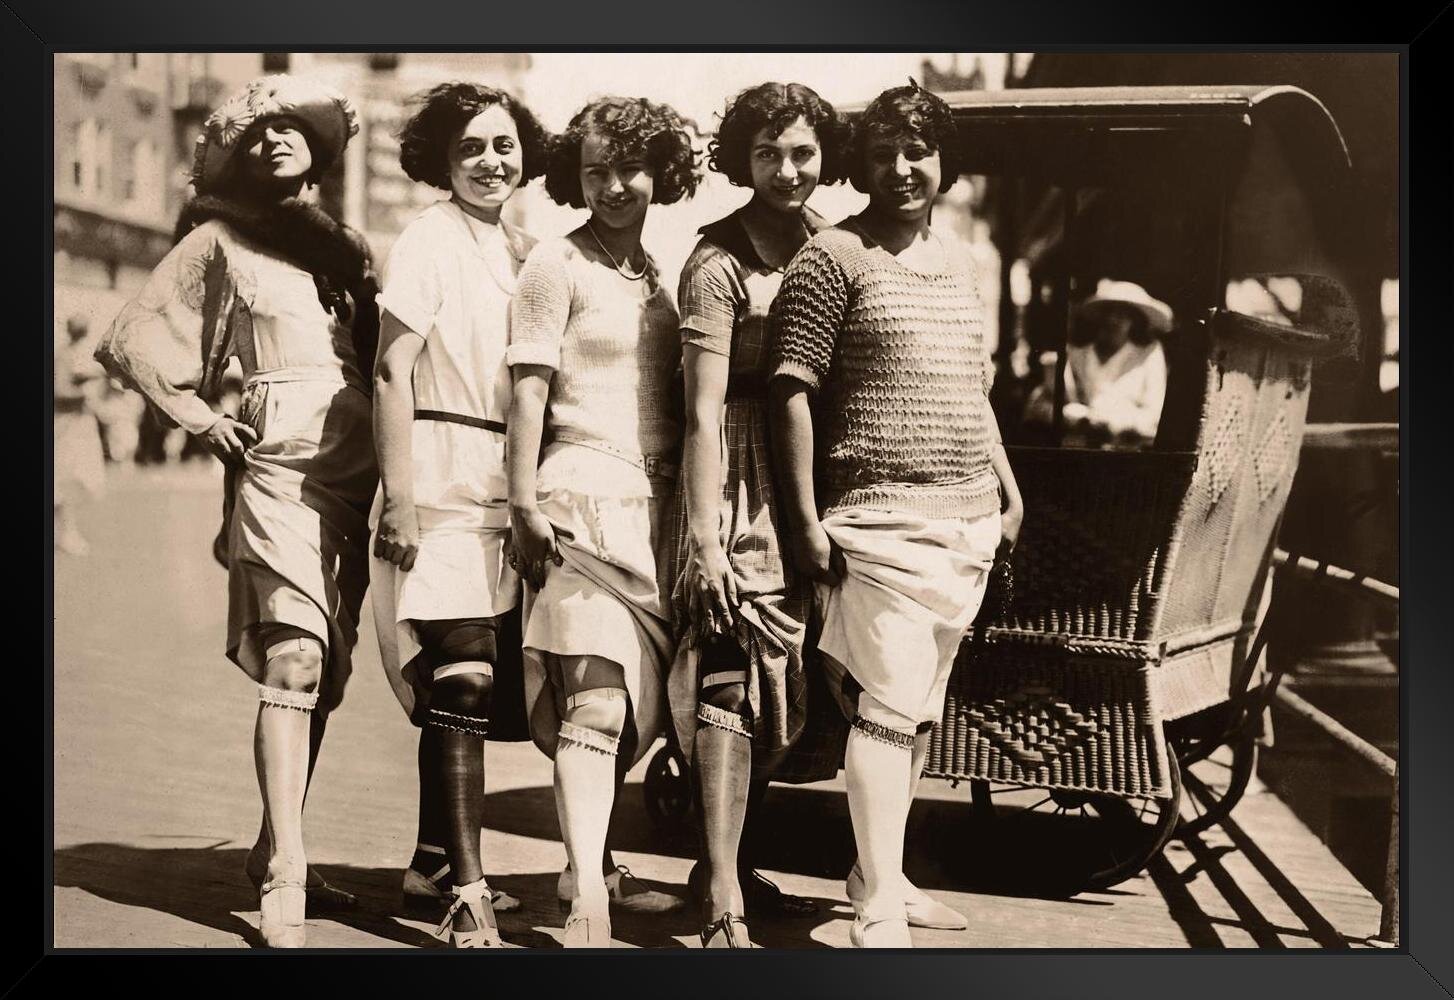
x,y
1420,32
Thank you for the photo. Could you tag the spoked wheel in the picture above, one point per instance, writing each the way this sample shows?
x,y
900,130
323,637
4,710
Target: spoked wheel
x,y
667,787
1073,840
1215,773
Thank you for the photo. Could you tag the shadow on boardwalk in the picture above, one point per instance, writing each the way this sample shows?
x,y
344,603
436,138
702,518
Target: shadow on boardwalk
x,y
206,885
1207,889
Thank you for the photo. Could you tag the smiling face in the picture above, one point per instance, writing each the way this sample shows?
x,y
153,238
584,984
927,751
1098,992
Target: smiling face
x,y
486,162
903,174
275,152
785,168
617,192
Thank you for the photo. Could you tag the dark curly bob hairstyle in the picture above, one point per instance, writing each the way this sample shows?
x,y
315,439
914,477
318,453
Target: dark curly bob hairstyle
x,y
908,110
775,106
633,127
424,140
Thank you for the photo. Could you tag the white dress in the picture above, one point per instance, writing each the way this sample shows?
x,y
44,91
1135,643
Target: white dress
x,y
298,532
1124,393
449,278
614,348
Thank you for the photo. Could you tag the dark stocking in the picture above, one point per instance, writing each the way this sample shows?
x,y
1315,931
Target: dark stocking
x,y
722,764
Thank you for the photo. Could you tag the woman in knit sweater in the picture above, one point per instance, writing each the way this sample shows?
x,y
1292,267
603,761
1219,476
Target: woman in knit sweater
x,y
594,355
880,386
738,688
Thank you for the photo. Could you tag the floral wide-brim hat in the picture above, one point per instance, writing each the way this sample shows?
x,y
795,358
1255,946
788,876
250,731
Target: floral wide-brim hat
x,y
328,116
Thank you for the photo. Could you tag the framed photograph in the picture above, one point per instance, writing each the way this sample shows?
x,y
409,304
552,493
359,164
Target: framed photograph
x,y
924,480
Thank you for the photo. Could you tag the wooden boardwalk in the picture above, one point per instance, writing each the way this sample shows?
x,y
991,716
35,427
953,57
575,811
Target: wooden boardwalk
x,y
156,802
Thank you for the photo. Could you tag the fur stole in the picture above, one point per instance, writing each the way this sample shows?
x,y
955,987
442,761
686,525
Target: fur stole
x,y
336,256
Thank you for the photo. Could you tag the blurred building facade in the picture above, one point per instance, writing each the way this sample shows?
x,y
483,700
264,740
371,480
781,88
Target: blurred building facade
x,y
115,196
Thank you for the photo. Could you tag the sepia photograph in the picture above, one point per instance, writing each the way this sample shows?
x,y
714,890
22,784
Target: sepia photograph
x,y
726,500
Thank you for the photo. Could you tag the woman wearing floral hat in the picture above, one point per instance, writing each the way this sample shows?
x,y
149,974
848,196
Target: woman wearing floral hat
x,y
261,274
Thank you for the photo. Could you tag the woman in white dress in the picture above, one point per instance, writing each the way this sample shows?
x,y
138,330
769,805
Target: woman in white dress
x,y
442,393
263,275
1115,369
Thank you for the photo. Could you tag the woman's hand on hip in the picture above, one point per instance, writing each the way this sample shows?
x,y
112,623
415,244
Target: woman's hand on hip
x,y
397,540
229,439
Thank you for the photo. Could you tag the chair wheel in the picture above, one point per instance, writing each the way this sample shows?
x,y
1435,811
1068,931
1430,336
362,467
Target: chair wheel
x,y
1215,775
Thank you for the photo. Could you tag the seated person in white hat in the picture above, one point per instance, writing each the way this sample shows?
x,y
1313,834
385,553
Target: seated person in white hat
x,y
1115,370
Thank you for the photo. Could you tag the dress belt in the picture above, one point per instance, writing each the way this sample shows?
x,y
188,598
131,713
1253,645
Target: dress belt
x,y
302,373
652,465
498,426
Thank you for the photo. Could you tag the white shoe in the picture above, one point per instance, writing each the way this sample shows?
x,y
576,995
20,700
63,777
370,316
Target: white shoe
x,y
881,932
584,929
923,910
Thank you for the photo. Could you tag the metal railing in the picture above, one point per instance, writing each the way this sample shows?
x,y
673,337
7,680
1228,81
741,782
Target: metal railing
x,y
1388,930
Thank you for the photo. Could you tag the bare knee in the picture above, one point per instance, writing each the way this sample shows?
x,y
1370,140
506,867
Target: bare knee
x,y
726,707
294,665
878,721
728,697
602,710
464,693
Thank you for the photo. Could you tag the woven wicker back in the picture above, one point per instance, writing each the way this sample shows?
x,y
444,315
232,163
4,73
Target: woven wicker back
x,y
1098,528
1135,586
1256,402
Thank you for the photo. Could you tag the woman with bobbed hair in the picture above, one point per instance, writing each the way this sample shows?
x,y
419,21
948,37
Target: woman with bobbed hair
x,y
894,475
442,591
594,354
260,273
738,688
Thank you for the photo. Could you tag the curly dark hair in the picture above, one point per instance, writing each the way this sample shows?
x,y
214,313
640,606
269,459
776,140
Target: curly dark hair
x,y
907,110
445,109
633,127
775,106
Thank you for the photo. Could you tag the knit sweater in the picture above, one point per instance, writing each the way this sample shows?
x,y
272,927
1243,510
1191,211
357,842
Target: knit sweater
x,y
897,361
614,346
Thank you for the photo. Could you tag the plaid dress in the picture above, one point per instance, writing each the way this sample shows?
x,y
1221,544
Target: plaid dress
x,y
725,295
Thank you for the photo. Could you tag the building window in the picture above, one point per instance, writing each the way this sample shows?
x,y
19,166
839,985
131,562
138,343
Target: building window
x,y
79,134
147,70
142,183
91,162
103,160
190,76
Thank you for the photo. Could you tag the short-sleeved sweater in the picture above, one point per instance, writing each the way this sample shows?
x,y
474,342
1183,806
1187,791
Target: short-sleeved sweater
x,y
614,346
898,363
